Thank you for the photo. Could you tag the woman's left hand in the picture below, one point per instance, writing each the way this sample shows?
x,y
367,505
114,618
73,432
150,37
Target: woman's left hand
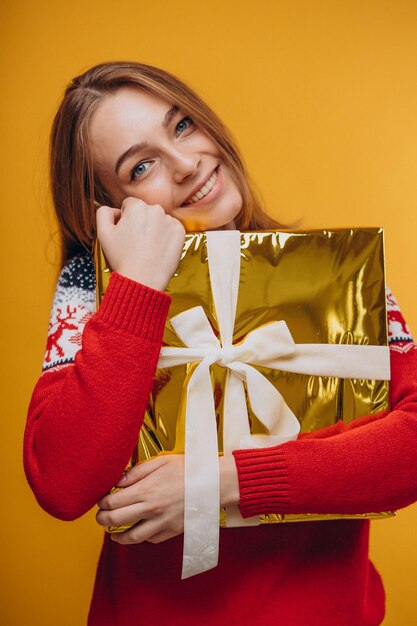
x,y
152,498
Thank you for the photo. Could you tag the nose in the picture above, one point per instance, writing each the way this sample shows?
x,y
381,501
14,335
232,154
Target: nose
x,y
185,163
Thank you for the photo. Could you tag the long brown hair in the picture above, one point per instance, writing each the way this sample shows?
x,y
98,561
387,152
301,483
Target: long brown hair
x,y
75,188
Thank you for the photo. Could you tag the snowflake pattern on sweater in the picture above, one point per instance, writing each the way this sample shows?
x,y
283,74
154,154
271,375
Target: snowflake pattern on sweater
x,y
75,303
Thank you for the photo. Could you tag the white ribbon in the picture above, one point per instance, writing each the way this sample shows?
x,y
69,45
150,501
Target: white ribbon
x,y
271,346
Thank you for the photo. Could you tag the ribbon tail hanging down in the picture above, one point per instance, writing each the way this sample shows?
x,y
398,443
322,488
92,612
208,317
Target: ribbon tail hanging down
x,y
202,484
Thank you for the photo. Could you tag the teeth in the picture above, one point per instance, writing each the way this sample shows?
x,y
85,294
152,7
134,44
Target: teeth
x,y
208,186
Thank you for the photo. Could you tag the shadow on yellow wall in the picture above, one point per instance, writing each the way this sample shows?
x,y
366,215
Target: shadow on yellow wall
x,y
322,98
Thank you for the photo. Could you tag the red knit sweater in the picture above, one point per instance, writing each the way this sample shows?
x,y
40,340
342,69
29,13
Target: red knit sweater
x,y
83,423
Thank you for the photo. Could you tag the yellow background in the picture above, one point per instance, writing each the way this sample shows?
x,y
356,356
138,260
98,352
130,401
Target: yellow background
x,y
322,97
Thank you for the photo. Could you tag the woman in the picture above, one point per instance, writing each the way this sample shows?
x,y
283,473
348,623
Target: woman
x,y
138,143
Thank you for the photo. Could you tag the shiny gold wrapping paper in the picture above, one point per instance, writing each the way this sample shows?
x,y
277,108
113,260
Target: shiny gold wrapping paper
x,y
328,285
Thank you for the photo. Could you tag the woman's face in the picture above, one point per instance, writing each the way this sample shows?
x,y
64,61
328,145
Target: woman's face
x,y
146,148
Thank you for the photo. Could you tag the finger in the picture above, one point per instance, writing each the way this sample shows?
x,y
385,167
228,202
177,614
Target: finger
x,y
163,536
120,498
106,217
120,517
179,224
142,470
117,215
129,202
142,531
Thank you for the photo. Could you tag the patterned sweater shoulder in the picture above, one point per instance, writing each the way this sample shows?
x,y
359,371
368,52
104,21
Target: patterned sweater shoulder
x,y
74,304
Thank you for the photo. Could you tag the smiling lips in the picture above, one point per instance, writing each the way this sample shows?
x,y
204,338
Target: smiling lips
x,y
204,190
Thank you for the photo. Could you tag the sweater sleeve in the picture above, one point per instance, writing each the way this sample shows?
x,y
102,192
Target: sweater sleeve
x,y
366,466
88,405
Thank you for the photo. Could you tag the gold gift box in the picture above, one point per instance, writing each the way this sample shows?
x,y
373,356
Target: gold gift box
x,y
329,287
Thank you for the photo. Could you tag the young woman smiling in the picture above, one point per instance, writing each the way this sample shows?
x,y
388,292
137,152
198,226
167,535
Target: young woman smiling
x,y
139,159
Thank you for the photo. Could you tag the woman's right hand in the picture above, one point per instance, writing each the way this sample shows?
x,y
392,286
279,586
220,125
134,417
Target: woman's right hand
x,y
140,241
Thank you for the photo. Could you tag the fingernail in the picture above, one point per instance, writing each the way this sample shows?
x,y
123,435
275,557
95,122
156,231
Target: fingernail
x,y
123,478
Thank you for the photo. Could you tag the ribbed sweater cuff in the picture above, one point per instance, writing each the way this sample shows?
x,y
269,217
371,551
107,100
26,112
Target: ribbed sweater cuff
x,y
263,481
134,308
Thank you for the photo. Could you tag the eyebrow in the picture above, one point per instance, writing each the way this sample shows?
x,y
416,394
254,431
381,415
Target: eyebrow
x,y
137,147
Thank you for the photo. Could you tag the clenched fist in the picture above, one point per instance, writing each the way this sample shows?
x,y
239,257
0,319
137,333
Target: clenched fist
x,y
141,241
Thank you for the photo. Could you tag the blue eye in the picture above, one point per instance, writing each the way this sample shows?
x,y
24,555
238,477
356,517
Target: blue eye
x,y
139,169
185,123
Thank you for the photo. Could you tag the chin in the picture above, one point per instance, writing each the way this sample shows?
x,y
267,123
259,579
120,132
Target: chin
x,y
224,222
229,226
199,227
